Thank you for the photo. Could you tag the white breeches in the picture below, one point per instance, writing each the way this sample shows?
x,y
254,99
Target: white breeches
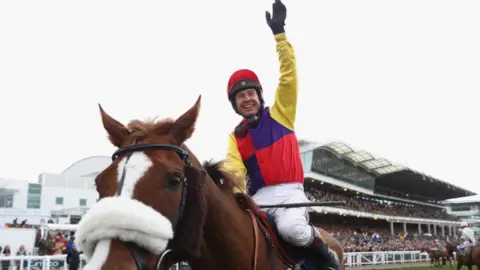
x,y
292,223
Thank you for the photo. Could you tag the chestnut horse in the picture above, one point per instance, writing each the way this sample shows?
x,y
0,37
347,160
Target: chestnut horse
x,y
476,255
472,258
158,206
438,257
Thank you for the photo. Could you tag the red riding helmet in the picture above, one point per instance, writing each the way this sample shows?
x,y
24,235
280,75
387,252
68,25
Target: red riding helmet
x,y
243,79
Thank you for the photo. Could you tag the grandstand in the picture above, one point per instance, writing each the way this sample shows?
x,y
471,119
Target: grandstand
x,y
384,200
360,168
466,209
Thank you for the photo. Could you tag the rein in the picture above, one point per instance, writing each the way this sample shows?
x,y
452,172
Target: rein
x,y
255,239
308,204
130,150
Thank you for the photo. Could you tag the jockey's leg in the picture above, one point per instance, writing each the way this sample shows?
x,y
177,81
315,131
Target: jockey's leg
x,y
320,246
266,196
463,247
293,225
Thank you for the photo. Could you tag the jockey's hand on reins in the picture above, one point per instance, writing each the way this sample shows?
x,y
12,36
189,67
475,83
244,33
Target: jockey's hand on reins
x,y
277,21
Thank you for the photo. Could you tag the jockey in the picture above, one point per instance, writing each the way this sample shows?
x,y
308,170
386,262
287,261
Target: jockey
x,y
436,244
264,146
467,234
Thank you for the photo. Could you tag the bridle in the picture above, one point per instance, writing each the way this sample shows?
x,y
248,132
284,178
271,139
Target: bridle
x,y
130,150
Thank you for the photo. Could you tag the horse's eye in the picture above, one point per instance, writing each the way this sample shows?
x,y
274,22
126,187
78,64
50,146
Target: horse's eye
x,y
173,181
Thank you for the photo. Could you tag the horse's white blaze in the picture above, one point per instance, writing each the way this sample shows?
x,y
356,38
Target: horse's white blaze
x,y
134,170
100,255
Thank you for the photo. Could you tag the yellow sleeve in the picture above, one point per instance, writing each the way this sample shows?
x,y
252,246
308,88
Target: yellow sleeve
x,y
285,107
234,163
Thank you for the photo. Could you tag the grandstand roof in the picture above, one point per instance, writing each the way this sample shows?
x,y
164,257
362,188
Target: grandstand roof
x,y
390,176
87,167
378,166
468,199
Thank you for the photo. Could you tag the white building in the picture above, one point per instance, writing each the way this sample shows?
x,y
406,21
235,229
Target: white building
x,y
466,209
60,197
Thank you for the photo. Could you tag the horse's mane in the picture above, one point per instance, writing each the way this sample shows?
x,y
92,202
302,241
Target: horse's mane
x,y
224,179
227,181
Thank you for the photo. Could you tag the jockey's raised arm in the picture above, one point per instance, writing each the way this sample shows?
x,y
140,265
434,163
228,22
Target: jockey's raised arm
x,y
284,109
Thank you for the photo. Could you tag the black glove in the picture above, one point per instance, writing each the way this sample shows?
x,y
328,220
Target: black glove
x,y
277,21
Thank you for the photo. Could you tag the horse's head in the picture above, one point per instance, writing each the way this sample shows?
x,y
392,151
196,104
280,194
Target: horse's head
x,y
150,193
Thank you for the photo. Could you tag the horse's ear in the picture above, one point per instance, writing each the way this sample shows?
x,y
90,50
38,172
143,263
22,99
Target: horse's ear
x,y
184,126
117,132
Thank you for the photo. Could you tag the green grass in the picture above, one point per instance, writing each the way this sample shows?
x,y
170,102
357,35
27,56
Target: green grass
x,y
445,267
422,268
406,267
412,266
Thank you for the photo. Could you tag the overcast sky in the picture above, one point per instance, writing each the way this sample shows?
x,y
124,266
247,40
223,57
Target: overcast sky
x,y
400,79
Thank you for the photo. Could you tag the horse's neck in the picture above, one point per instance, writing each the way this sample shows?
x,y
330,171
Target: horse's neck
x,y
228,232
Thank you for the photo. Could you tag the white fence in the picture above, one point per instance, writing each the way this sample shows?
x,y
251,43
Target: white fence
x,y
351,259
384,257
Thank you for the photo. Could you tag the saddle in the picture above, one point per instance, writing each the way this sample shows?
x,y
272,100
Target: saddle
x,y
434,252
295,257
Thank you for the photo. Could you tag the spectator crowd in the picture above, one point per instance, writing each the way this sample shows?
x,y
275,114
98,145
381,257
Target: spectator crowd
x,y
54,242
363,239
367,204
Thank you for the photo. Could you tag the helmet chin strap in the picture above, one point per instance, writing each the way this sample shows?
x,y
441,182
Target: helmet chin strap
x,y
253,119
252,122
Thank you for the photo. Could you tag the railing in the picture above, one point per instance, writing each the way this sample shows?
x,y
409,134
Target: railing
x,y
350,259
384,257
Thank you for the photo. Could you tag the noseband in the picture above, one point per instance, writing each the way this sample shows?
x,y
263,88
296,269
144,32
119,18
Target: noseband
x,y
130,150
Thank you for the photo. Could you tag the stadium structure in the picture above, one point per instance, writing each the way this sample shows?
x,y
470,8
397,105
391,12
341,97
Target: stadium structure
x,y
467,209
55,198
336,168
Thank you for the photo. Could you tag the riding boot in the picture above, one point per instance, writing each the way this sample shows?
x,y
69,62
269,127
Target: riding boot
x,y
328,257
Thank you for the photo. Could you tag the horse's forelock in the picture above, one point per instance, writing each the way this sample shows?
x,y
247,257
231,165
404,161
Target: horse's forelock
x,y
149,127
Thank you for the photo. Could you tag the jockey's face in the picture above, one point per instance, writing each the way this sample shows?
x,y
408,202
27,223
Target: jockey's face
x,y
247,102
